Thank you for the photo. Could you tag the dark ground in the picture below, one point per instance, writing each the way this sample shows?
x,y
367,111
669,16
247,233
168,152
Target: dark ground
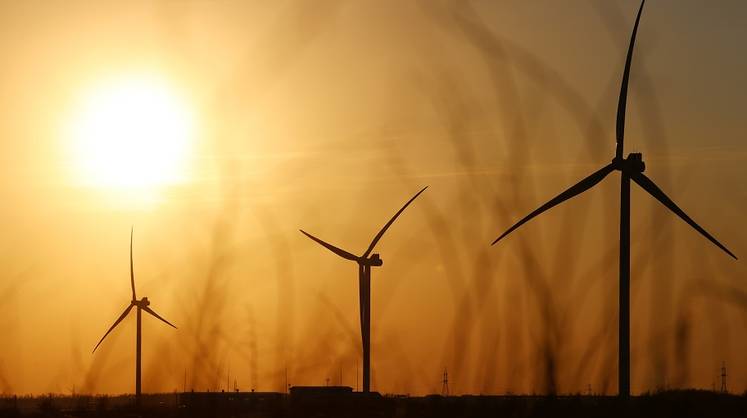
x,y
688,403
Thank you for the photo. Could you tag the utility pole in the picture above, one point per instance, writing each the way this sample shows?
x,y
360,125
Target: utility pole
x,y
445,384
723,378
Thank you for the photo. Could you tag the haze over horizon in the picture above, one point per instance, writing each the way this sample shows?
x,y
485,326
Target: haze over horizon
x,y
328,117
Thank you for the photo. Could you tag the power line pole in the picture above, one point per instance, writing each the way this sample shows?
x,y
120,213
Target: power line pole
x,y
445,384
723,378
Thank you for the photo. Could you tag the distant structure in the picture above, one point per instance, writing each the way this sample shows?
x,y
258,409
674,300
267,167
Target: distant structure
x,y
141,305
723,378
320,391
631,168
365,262
445,384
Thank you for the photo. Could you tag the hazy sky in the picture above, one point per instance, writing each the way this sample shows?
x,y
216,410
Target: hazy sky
x,y
328,116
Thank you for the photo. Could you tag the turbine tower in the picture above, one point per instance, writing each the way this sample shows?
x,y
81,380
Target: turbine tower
x,y
630,168
365,262
141,305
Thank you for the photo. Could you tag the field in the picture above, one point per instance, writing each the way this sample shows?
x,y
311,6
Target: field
x,y
268,404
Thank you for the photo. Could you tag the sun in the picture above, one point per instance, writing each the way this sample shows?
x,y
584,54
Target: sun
x,y
131,133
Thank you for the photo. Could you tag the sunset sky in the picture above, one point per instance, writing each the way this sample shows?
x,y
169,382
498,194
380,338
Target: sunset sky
x,y
218,129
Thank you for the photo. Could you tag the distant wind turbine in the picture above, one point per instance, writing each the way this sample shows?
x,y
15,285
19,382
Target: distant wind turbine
x,y
141,305
631,168
364,286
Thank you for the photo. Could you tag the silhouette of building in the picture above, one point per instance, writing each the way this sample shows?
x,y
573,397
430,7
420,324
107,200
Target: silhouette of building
x,y
320,391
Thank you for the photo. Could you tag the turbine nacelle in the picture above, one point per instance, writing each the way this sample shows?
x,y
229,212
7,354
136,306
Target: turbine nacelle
x,y
373,261
142,303
633,164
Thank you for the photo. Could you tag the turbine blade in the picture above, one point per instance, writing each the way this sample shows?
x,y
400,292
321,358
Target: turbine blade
x,y
152,312
132,269
578,188
121,317
622,102
391,221
656,192
339,251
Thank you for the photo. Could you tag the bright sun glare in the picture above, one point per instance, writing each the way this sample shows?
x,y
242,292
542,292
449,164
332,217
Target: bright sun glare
x,y
132,133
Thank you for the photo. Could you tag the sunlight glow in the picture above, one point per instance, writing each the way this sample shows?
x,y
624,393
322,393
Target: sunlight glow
x,y
132,133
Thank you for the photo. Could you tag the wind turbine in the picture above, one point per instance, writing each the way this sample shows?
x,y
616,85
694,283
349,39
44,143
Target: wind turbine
x,y
141,305
631,168
365,262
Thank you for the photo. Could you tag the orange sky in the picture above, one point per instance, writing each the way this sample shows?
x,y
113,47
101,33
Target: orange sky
x,y
327,117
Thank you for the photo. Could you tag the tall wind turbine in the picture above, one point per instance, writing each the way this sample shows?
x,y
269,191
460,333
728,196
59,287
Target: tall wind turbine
x,y
365,262
141,305
631,168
